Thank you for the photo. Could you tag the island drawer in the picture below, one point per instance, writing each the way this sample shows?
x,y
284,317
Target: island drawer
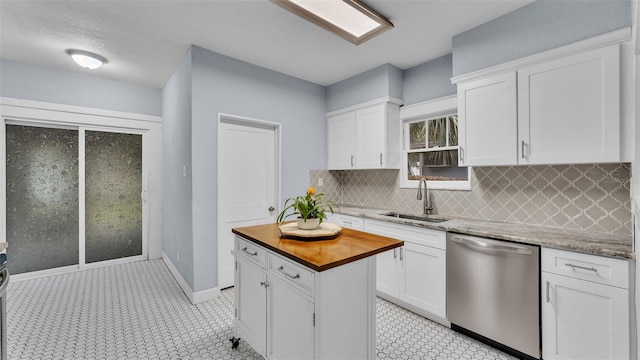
x,y
251,251
598,269
292,272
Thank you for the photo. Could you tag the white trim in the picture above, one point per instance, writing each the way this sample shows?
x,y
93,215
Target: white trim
x,y
74,268
194,297
611,38
382,100
82,214
426,110
442,106
76,109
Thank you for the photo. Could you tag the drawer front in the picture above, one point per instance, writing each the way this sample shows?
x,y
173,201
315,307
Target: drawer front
x,y
414,234
598,269
296,274
251,251
348,221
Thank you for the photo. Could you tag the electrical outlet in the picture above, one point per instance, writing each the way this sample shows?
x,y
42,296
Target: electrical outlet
x,y
320,182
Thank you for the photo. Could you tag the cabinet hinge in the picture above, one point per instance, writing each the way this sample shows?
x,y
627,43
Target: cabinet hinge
x,y
314,319
235,313
236,264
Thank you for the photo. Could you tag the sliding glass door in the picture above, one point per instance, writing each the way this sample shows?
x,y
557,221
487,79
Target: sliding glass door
x,y
42,198
73,196
113,202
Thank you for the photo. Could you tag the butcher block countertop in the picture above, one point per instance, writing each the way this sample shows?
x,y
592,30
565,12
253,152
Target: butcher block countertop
x,y
349,246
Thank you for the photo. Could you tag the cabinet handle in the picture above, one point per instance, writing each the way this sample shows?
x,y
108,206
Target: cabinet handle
x,y
522,145
395,254
380,158
548,291
461,153
249,252
574,267
401,257
296,276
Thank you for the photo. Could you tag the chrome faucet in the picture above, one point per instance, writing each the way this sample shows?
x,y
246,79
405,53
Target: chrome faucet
x,y
427,209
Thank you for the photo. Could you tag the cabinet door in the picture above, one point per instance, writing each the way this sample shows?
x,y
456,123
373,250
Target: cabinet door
x,y
388,272
251,303
569,109
371,137
291,322
583,320
341,137
487,121
424,281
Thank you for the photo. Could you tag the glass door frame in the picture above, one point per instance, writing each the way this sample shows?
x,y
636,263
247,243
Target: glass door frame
x,y
80,119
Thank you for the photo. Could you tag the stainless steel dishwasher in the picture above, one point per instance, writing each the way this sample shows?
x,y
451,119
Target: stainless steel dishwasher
x,y
493,290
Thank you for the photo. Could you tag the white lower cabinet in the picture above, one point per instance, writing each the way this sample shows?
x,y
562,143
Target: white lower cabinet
x,y
413,276
290,319
583,316
287,311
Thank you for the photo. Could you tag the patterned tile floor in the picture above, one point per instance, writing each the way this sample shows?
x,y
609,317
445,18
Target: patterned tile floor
x,y
138,311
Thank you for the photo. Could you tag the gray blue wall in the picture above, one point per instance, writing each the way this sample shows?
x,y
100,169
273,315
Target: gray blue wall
x,y
385,80
539,26
177,220
428,81
24,81
220,84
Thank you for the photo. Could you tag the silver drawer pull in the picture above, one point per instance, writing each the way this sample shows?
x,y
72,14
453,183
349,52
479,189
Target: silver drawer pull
x,y
296,276
249,252
574,267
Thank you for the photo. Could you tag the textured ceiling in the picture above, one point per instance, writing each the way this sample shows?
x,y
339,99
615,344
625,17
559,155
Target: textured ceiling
x,y
145,40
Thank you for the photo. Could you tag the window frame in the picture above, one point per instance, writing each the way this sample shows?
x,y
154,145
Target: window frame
x,y
425,111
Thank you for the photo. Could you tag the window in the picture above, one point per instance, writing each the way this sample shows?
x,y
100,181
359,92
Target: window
x,y
431,146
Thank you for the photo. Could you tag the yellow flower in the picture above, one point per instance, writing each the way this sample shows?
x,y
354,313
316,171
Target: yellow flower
x,y
311,191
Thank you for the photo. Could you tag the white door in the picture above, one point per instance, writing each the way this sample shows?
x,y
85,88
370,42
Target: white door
x,y
569,109
487,115
371,137
341,141
424,283
583,320
247,183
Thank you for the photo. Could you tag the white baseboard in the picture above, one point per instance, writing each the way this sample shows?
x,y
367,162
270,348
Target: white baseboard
x,y
194,297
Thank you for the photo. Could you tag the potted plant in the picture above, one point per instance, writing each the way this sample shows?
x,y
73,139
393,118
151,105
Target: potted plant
x,y
309,208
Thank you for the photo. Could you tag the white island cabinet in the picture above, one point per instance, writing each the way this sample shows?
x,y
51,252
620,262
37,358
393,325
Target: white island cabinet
x,y
585,306
307,299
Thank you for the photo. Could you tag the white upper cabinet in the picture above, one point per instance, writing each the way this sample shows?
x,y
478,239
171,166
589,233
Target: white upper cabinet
x,y
341,133
364,138
560,111
487,127
569,109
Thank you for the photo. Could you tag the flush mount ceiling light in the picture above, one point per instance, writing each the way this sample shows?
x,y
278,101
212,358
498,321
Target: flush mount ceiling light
x,y
86,59
349,19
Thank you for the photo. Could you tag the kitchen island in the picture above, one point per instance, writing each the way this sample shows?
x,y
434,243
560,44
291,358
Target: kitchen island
x,y
299,299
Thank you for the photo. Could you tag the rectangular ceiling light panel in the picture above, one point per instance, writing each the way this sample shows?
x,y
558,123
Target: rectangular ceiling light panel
x,y
349,19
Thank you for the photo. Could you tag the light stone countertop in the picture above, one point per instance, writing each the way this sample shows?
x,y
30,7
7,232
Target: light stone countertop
x,y
590,242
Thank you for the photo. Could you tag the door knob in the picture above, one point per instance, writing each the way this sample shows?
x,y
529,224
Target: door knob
x,y
271,208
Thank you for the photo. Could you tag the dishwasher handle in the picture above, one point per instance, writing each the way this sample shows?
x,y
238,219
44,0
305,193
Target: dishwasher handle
x,y
479,244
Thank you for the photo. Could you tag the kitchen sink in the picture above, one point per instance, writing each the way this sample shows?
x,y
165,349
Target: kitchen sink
x,y
426,218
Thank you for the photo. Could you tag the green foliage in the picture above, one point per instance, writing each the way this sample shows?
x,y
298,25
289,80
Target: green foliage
x,y
309,206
